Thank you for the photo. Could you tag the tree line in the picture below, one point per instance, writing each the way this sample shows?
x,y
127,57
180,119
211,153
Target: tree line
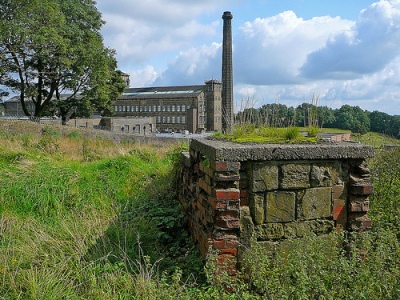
x,y
346,117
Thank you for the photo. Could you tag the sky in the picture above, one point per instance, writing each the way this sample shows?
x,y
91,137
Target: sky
x,y
284,51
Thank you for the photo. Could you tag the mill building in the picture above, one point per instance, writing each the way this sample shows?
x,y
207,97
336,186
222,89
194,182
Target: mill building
x,y
196,108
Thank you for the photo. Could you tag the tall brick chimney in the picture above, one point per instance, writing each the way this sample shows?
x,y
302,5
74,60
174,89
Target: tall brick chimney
x,y
227,74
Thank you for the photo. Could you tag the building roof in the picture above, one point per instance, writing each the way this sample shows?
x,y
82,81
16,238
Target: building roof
x,y
162,92
28,99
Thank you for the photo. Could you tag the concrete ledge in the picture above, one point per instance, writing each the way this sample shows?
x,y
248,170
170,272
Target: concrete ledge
x,y
228,151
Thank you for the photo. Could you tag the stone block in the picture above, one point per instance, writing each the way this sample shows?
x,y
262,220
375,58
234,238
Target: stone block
x,y
246,230
270,231
320,226
280,207
295,176
257,208
338,192
264,177
315,204
325,175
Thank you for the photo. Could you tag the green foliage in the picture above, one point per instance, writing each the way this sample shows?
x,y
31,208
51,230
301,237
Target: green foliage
x,y
313,131
45,53
249,133
386,180
112,228
292,133
318,268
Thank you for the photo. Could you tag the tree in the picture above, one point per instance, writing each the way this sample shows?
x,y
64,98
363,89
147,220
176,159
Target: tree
x,y
53,48
352,118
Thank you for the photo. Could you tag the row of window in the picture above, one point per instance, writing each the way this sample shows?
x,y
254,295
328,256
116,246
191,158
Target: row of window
x,y
150,108
171,119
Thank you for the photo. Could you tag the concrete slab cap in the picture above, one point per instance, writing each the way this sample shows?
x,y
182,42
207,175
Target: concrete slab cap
x,y
228,151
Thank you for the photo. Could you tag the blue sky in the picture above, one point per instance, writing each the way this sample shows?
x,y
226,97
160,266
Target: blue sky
x,y
286,51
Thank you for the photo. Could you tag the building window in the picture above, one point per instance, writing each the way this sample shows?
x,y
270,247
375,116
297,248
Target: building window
x,y
183,107
168,119
137,108
128,108
178,119
183,120
173,119
163,108
168,108
159,119
178,108
154,108
159,108
173,108
163,119
116,108
120,108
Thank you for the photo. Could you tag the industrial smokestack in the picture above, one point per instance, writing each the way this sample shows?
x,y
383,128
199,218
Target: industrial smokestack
x,y
227,74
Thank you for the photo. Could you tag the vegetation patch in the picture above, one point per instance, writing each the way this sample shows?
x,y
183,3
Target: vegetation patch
x,y
248,133
111,228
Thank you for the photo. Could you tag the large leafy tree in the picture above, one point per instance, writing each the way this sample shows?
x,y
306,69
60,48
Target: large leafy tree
x,y
53,49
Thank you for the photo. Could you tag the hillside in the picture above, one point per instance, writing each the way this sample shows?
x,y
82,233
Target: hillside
x,y
85,218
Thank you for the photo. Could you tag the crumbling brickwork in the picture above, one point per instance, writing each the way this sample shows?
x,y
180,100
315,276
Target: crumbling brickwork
x,y
237,195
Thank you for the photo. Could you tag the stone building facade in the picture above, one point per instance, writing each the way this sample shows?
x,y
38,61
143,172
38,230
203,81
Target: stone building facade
x,y
196,108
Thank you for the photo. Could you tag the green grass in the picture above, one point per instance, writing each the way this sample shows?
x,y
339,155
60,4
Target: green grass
x,y
376,139
94,219
248,133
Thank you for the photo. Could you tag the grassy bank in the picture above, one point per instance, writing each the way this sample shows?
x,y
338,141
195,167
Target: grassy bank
x,y
84,218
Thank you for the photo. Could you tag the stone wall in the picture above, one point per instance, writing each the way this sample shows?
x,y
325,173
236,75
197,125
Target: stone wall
x,y
236,195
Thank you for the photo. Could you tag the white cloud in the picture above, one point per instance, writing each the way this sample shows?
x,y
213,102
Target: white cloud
x,y
143,77
193,66
281,57
140,30
271,50
366,48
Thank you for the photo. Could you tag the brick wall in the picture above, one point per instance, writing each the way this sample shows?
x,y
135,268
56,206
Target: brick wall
x,y
235,196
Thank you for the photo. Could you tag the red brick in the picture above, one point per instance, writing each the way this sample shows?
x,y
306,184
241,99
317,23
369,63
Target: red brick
x,y
229,194
232,243
233,224
338,213
232,251
366,224
222,166
362,190
244,202
219,244
244,194
227,215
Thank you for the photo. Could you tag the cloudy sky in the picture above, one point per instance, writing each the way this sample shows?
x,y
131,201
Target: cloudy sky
x,y
286,51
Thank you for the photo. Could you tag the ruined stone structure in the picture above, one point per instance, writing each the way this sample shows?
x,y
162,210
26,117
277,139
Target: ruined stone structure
x,y
236,195
227,73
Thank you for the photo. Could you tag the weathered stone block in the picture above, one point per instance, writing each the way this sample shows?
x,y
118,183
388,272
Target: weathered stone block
x,y
246,230
264,177
320,226
270,231
315,203
280,206
257,208
295,176
325,175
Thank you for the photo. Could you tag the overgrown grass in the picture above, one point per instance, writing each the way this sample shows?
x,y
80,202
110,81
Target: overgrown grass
x,y
249,133
94,219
